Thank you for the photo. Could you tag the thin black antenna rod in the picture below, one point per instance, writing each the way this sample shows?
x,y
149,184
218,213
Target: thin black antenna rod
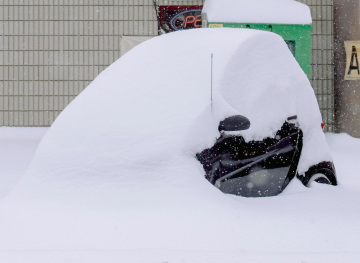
x,y
211,79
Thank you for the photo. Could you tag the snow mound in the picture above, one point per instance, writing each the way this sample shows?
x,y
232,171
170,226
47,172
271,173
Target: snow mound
x,y
121,155
257,11
145,117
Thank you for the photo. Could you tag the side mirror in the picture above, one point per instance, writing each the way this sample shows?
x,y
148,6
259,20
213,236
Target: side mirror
x,y
234,123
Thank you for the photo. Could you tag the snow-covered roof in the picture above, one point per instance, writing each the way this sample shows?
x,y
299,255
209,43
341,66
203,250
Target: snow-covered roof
x,y
257,11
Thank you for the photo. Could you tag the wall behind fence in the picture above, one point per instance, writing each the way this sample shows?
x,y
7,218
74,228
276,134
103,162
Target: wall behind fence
x,y
50,50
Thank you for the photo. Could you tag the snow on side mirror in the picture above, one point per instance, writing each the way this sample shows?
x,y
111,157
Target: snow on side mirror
x,y
234,123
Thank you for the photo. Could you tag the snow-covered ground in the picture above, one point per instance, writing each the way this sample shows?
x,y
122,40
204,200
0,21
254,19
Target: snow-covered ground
x,y
331,213
17,147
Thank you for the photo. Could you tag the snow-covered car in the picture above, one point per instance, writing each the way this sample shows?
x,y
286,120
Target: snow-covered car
x,y
150,115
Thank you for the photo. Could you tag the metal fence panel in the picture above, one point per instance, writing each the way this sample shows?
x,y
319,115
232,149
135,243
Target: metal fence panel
x,y
50,50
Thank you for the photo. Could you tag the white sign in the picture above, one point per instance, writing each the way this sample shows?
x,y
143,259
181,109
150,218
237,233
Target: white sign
x,y
352,70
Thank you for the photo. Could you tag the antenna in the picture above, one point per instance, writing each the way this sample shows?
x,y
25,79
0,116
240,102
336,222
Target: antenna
x,y
211,79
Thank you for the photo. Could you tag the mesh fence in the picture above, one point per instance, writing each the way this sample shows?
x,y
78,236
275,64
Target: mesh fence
x,y
50,50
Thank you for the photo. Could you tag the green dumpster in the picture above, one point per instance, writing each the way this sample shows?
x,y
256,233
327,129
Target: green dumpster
x,y
287,18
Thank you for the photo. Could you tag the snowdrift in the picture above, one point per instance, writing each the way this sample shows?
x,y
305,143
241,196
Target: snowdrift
x,y
117,168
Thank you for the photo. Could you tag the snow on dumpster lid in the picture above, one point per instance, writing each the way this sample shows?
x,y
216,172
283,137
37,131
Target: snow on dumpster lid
x,y
257,11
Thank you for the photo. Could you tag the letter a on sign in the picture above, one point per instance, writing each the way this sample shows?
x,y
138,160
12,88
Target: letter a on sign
x,y
352,71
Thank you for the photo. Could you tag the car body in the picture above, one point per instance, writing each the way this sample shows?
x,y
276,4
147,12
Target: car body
x,y
259,168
